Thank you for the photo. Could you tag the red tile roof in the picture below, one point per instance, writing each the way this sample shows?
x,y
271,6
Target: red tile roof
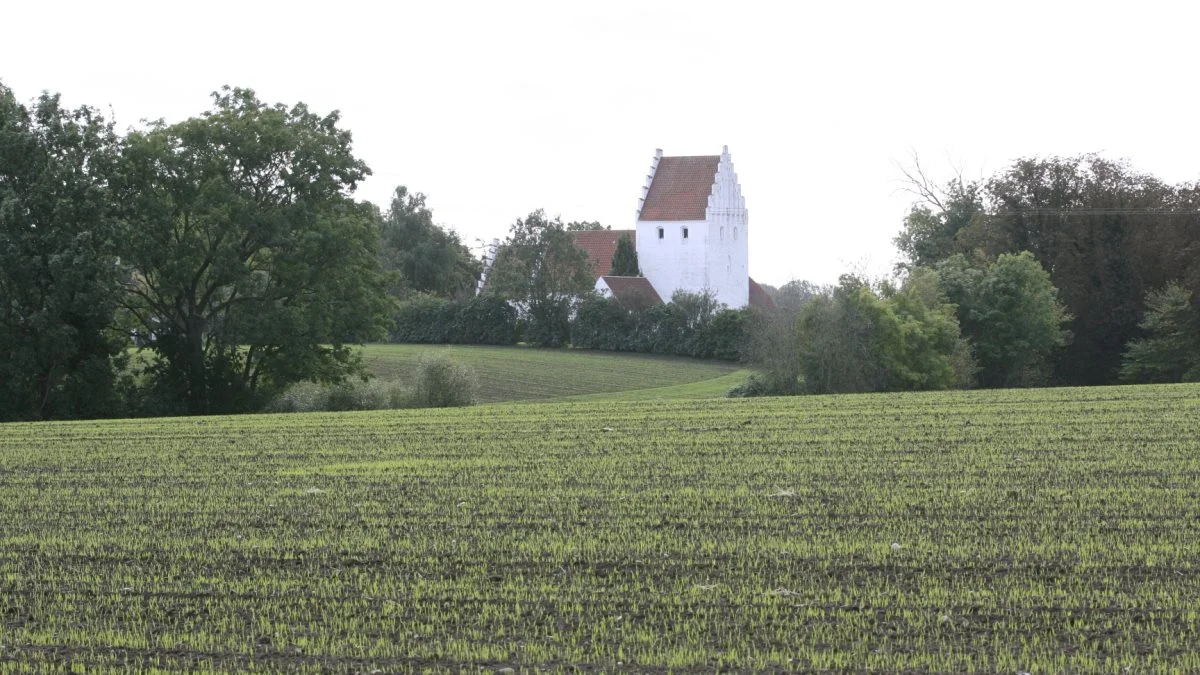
x,y
633,292
601,245
759,297
680,188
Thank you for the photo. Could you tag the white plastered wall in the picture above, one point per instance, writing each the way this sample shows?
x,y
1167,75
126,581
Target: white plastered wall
x,y
672,262
728,251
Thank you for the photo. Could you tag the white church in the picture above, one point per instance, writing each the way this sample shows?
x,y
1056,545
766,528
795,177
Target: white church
x,y
691,235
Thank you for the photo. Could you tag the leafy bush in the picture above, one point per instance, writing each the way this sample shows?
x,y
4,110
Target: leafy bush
x,y
349,395
442,383
773,349
753,386
439,383
1010,311
725,336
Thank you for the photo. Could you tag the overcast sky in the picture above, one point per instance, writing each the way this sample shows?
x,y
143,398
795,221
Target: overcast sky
x,y
496,109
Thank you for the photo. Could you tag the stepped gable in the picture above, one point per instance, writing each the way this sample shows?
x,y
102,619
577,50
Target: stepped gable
x,y
633,292
600,246
680,187
759,297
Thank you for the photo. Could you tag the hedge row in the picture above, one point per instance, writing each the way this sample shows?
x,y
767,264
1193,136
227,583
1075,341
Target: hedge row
x,y
479,321
690,325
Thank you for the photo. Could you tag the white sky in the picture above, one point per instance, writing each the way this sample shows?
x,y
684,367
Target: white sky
x,y
495,109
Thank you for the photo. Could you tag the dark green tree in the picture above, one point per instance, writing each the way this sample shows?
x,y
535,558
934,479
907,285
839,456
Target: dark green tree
x,y
773,350
250,265
59,282
540,267
1010,312
428,258
625,260
922,347
1170,352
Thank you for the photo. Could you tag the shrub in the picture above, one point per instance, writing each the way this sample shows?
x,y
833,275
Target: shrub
x,y
753,386
442,383
349,395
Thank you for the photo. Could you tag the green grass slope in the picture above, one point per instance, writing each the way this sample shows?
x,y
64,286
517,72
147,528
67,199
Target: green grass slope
x,y
523,373
716,387
1037,531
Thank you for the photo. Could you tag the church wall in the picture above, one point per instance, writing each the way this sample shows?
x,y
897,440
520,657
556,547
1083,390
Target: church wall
x,y
727,260
672,262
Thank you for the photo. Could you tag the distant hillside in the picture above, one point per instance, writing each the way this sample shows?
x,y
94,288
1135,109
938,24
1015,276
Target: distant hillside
x,y
524,373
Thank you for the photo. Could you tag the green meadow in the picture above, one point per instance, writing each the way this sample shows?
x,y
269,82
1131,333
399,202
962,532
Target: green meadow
x,y
528,374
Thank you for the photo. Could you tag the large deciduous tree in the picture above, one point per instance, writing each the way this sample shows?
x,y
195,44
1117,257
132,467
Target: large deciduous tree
x,y
540,267
428,258
931,228
58,273
250,265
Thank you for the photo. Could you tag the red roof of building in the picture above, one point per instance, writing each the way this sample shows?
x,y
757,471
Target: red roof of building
x,y
601,245
759,297
633,292
680,188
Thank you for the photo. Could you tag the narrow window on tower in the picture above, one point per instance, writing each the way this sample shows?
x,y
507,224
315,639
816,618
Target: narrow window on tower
x,y
660,233
685,233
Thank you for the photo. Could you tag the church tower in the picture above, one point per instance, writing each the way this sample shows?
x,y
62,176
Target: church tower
x,y
692,230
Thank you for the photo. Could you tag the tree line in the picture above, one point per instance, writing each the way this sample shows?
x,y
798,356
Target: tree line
x,y
1053,271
